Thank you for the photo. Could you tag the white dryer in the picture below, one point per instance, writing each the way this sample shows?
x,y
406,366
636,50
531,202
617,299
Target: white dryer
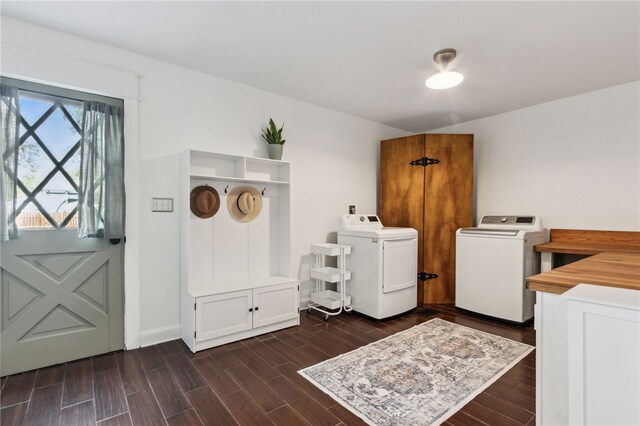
x,y
492,263
383,265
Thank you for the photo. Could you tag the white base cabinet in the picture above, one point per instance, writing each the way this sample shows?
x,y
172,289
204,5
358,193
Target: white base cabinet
x,y
588,356
552,388
235,315
604,355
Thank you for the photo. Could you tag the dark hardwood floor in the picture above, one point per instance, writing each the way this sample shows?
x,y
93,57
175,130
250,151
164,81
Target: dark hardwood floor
x,y
252,382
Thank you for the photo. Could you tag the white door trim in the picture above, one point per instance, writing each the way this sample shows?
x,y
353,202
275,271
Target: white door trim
x,y
132,223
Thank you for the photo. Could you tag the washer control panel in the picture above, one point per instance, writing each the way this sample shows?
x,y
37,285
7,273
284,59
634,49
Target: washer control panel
x,y
517,222
360,221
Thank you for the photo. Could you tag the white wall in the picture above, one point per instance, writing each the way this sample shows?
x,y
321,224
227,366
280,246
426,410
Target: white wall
x,y
575,162
334,156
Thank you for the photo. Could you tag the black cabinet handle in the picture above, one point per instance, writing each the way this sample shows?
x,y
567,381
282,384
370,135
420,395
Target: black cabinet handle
x,y
250,309
256,308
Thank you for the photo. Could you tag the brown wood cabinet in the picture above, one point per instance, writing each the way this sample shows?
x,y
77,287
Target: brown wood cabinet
x,y
426,183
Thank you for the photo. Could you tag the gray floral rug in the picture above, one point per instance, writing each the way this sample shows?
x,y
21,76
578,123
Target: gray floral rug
x,y
419,376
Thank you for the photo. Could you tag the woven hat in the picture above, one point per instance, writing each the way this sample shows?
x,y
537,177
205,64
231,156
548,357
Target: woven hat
x,y
244,203
205,201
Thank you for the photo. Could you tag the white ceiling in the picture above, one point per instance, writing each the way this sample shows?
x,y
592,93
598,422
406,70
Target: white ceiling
x,y
370,59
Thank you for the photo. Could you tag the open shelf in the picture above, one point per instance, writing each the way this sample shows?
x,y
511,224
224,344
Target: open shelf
x,y
216,165
329,274
330,299
264,170
329,249
206,165
234,179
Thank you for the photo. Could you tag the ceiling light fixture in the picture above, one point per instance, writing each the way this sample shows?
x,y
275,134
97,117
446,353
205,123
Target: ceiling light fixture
x,y
444,79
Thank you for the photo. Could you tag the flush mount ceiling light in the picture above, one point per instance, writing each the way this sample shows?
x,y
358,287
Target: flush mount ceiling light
x,y
444,79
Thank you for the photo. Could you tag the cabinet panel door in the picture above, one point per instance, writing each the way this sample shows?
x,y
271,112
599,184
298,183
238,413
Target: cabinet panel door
x,y
223,314
402,187
448,195
275,304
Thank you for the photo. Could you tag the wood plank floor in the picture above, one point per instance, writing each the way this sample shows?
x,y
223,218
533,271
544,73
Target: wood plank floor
x,y
252,382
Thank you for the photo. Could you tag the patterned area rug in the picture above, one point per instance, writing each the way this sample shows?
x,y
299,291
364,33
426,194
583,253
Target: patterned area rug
x,y
419,376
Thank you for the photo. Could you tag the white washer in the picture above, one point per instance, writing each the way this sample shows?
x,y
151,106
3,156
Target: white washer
x,y
492,262
383,265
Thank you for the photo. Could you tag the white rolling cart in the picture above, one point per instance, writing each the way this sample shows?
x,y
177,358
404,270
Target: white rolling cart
x,y
321,298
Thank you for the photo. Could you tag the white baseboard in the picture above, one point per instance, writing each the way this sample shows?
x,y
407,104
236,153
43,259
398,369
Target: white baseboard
x,y
159,335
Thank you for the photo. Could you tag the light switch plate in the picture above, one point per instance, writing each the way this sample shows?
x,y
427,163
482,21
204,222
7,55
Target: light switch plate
x,y
162,204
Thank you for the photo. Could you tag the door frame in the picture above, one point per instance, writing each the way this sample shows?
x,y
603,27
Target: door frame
x,y
47,65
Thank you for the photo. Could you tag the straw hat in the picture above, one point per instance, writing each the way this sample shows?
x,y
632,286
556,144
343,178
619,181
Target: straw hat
x,y
205,201
244,203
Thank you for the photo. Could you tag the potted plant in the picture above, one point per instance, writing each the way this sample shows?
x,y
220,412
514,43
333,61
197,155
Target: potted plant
x,y
273,136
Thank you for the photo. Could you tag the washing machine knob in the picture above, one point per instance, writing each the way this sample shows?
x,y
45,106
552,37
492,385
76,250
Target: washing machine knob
x,y
361,218
503,219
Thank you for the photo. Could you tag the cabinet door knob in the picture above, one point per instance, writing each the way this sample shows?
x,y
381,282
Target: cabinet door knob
x,y
256,308
250,309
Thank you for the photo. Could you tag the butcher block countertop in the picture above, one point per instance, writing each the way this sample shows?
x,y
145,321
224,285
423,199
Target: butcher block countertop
x,y
610,268
588,242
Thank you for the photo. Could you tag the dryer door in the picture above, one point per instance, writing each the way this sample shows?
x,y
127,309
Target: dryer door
x,y
399,265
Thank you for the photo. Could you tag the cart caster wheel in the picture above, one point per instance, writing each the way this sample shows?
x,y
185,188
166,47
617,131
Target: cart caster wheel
x,y
326,317
308,311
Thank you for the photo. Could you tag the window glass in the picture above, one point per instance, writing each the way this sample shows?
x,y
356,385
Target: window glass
x,y
49,161
49,154
31,109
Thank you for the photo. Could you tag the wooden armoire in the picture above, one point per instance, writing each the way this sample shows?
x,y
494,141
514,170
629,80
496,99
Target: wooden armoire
x,y
426,183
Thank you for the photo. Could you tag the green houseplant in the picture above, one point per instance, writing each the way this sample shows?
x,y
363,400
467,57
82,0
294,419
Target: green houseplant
x,y
273,136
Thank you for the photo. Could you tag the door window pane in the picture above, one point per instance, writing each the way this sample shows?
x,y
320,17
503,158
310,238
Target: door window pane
x,y
33,164
49,161
48,172
31,109
59,133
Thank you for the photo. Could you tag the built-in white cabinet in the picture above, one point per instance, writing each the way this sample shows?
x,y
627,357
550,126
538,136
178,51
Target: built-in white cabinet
x,y
604,355
235,276
226,317
552,389
588,356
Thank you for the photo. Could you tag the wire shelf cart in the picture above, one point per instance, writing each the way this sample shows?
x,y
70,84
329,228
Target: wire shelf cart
x,y
330,302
